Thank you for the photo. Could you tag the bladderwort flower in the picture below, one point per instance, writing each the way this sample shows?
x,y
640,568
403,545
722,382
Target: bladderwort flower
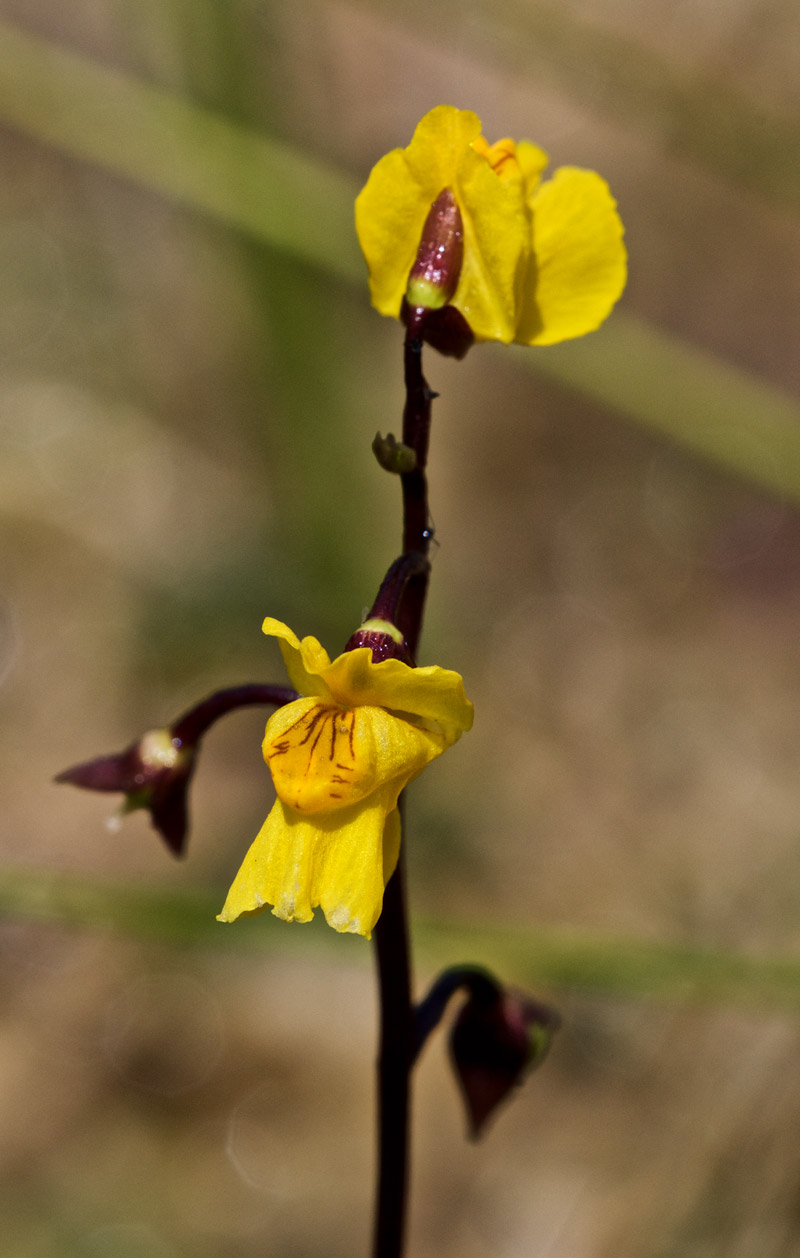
x,y
460,228
339,758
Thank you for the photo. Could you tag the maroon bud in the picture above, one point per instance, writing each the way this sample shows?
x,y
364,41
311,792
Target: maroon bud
x,y
153,773
434,276
445,330
494,1044
384,640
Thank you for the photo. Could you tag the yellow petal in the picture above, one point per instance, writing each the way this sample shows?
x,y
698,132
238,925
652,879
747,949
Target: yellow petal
x,y
340,861
305,661
496,244
324,758
532,161
431,693
392,207
578,265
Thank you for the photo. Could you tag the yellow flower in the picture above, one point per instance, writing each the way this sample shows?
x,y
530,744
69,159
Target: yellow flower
x,y
542,262
339,758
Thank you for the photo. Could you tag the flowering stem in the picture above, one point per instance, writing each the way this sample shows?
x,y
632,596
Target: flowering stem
x,y
417,533
390,596
194,723
407,581
394,1067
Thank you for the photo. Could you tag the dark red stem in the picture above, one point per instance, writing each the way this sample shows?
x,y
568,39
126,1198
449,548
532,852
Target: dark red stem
x,y
417,532
482,986
407,582
193,724
394,1067
391,595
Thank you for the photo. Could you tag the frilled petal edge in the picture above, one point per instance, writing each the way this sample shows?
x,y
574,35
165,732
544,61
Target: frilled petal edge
x,y
340,862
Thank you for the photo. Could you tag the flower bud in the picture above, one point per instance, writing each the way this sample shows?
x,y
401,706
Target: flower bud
x,y
384,640
434,276
494,1044
153,773
445,330
392,455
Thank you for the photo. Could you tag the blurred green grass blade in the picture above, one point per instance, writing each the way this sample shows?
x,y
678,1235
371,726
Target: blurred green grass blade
x,y
624,967
535,956
295,204
178,149
724,415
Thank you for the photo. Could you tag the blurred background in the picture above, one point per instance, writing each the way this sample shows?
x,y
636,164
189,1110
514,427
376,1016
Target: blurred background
x,y
190,378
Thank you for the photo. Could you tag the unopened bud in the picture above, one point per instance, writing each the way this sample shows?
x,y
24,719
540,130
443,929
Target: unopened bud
x,y
153,774
392,455
383,638
494,1045
434,276
446,330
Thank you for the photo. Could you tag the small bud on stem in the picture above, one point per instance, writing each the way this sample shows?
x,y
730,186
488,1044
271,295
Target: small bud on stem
x,y
434,276
392,455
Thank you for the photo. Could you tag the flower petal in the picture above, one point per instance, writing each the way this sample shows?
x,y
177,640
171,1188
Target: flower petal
x,y
431,693
305,661
578,265
532,161
496,243
324,758
392,207
340,861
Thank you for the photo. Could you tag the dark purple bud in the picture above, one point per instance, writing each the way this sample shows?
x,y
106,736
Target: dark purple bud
x,y
380,630
434,276
153,773
445,330
494,1044
384,640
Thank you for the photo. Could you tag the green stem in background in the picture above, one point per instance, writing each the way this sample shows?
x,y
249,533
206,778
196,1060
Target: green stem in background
x,y
396,1052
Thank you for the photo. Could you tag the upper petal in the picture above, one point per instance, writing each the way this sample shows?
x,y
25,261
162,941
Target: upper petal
x,y
431,693
305,661
392,207
578,265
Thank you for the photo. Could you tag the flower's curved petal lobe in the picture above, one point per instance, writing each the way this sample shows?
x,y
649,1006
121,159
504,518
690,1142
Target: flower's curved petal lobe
x,y
336,861
495,246
431,693
532,162
305,661
392,207
324,758
579,264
